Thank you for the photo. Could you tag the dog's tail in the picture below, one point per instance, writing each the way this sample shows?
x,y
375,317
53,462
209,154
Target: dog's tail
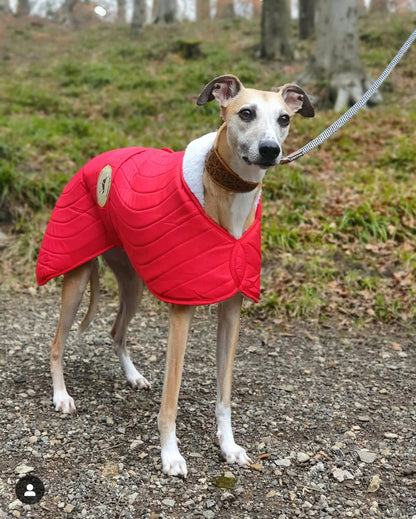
x,y
94,296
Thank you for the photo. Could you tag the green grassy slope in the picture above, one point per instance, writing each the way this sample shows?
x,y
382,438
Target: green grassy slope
x,y
339,225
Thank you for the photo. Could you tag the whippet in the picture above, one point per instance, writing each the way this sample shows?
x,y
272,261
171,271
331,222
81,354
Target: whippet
x,y
221,176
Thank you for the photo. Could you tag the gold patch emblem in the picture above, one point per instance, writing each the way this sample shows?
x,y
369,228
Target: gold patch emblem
x,y
103,185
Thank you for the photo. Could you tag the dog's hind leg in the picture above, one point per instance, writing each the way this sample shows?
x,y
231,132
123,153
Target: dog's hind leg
x,y
73,288
228,329
130,288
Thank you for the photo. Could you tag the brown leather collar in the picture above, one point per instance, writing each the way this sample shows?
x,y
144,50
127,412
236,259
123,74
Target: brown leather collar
x,y
224,176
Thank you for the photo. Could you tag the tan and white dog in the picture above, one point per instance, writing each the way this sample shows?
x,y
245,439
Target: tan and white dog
x,y
256,123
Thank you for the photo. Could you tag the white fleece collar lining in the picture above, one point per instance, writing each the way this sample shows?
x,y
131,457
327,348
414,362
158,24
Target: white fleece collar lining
x,y
194,163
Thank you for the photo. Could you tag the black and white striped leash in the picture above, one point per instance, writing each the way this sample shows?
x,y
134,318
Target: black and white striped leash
x,y
339,123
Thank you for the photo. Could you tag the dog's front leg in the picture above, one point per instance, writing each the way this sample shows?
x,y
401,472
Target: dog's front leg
x,y
228,330
180,319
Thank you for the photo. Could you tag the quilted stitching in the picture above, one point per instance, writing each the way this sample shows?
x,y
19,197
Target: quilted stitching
x,y
182,255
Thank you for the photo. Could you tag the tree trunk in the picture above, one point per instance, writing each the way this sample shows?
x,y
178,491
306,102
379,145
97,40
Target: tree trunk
x,y
166,11
203,9
337,62
23,8
225,9
138,18
361,6
4,7
68,12
121,11
402,6
306,18
257,8
275,30
379,6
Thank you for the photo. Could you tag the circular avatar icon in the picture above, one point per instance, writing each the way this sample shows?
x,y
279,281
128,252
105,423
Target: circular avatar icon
x,y
30,490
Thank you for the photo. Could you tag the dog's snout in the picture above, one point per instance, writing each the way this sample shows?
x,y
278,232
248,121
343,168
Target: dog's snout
x,y
269,150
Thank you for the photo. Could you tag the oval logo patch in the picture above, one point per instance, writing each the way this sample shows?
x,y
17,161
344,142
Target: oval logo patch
x,y
103,185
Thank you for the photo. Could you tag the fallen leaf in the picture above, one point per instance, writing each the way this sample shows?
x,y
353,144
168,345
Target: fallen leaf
x,y
374,484
396,346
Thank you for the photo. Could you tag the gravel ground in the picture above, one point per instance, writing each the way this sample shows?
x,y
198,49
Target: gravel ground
x,y
328,418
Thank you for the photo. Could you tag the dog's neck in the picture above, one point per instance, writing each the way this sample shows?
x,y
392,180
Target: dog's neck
x,y
232,192
224,176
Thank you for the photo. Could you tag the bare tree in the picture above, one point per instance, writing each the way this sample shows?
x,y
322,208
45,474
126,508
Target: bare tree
x,y
275,30
361,6
166,11
336,61
23,7
121,11
379,6
257,8
68,14
138,18
225,9
203,9
306,18
4,7
401,6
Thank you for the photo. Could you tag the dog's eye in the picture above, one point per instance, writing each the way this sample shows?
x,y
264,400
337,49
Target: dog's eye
x,y
284,120
246,114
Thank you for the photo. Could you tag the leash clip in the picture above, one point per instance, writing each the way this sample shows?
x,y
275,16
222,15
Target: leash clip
x,y
292,156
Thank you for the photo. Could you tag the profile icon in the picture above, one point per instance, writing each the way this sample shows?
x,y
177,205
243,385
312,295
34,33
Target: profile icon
x,y
30,490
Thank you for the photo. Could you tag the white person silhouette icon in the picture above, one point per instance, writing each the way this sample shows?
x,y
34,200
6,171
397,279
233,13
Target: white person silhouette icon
x,y
30,490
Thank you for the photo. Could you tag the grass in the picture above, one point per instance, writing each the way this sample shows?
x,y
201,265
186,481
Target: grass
x,y
339,226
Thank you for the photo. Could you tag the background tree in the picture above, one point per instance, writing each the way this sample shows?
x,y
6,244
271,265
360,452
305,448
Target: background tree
x,y
306,18
121,11
68,14
138,18
275,30
203,9
23,7
336,62
166,11
257,8
361,6
4,7
379,6
225,9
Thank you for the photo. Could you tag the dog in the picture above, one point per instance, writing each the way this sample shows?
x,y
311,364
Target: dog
x,y
186,225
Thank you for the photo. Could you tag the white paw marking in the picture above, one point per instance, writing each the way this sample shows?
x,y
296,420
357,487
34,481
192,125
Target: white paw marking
x,y
63,402
233,453
173,463
138,381
134,378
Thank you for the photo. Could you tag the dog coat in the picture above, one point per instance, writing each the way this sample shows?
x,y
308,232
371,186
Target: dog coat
x,y
137,199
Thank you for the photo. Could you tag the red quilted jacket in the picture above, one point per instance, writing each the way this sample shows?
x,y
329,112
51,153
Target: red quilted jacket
x,y
143,205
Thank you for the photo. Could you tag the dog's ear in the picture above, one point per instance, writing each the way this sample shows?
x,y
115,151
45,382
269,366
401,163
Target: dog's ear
x,y
222,88
297,100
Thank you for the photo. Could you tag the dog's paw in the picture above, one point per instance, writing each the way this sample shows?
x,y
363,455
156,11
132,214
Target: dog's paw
x,y
173,463
137,381
63,402
134,378
233,453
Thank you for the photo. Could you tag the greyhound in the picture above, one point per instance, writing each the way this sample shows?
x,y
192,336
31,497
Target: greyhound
x,y
222,178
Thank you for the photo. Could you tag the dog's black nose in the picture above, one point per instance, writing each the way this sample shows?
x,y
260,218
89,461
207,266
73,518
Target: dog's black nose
x,y
269,151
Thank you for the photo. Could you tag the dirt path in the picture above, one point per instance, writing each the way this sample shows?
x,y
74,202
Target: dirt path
x,y
328,418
